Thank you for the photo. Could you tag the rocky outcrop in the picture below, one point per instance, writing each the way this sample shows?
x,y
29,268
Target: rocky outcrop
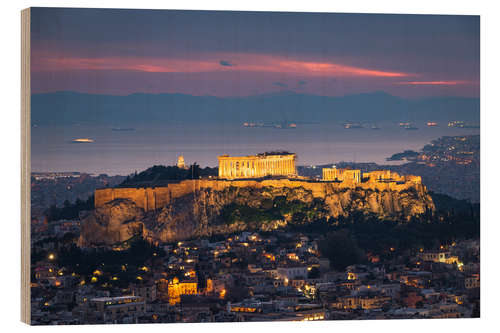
x,y
117,221
208,211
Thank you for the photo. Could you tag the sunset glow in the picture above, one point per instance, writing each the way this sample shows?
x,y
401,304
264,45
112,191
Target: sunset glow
x,y
245,54
244,63
436,83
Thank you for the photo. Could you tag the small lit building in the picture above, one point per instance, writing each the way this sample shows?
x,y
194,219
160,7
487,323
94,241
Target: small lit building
x,y
177,288
292,272
441,256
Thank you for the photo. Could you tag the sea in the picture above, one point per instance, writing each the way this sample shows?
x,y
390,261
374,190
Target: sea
x,y
122,151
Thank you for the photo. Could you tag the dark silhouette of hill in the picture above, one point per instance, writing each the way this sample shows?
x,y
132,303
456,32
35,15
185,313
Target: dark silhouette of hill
x,y
67,107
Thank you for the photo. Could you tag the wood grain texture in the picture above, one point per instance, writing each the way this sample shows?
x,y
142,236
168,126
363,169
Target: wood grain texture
x,y
25,166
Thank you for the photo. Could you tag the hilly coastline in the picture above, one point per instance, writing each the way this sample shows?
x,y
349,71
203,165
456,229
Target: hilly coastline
x,y
68,107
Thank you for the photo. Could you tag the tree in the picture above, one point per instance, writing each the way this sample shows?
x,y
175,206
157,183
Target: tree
x,y
341,248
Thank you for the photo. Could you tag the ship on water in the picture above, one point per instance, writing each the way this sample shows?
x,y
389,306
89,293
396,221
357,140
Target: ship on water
x,y
410,127
280,125
407,125
82,140
351,125
123,129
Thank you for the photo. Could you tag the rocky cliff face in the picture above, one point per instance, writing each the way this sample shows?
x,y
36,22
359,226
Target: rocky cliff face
x,y
208,211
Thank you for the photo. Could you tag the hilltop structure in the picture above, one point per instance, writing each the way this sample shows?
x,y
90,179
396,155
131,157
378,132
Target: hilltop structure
x,y
347,175
257,166
180,162
356,176
199,207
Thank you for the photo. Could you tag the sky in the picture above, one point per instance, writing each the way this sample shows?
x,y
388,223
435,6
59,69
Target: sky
x,y
231,54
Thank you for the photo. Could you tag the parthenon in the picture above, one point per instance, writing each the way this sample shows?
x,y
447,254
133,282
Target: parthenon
x,y
256,166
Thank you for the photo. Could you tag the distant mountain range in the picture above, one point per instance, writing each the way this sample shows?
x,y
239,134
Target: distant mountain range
x,y
68,107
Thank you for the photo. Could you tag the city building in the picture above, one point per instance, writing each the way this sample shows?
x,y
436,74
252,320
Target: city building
x,y
177,288
116,309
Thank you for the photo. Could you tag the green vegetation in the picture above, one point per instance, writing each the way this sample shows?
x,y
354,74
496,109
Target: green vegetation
x,y
274,209
348,237
341,248
386,238
69,211
234,212
165,173
115,268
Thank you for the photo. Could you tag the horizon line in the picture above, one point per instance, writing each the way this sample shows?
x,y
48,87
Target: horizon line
x,y
270,93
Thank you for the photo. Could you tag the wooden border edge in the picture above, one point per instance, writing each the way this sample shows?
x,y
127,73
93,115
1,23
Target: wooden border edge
x,y
25,166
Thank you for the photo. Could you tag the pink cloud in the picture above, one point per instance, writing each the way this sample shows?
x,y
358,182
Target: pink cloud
x,y
209,63
435,83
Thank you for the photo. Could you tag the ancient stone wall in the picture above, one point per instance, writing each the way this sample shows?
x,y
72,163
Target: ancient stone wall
x,y
152,198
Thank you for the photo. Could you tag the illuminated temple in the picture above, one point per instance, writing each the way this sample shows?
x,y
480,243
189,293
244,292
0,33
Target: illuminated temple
x,y
257,166
343,175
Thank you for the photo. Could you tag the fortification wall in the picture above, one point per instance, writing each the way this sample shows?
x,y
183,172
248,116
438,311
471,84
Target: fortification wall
x,y
151,198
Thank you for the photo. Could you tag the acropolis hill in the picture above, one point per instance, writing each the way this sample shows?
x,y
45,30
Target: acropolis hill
x,y
265,187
